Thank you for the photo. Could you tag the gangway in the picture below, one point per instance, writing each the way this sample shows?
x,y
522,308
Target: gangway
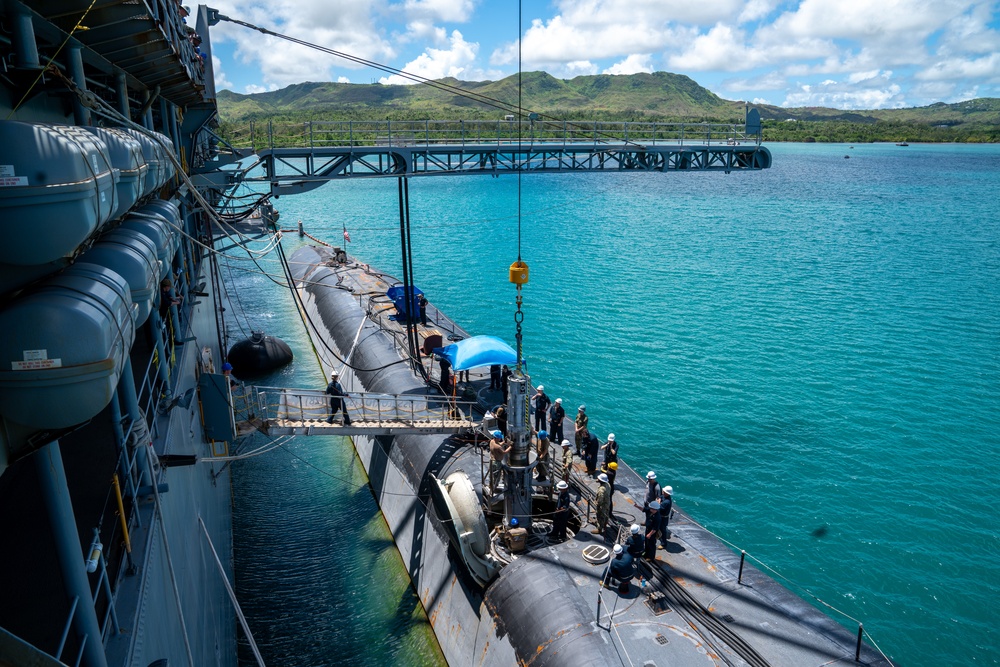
x,y
284,411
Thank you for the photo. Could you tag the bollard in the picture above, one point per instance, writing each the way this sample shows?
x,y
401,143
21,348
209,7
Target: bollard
x,y
743,557
857,651
302,231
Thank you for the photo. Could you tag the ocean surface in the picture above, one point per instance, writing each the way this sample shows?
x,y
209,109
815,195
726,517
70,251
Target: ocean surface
x,y
810,355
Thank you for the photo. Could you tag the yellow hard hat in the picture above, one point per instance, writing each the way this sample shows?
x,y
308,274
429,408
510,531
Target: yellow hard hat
x,y
613,465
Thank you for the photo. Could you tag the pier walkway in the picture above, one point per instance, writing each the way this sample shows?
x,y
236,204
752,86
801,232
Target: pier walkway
x,y
297,157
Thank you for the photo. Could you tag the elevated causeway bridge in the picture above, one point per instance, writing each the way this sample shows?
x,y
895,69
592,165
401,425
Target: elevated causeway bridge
x,y
297,157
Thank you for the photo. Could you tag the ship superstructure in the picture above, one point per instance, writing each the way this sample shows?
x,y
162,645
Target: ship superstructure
x,y
116,545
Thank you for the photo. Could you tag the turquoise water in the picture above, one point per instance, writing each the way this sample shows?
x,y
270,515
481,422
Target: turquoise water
x,y
810,355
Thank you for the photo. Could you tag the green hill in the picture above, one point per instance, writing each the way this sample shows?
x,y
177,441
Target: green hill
x,y
660,96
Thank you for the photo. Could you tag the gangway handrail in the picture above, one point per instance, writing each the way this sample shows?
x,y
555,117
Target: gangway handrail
x,y
375,408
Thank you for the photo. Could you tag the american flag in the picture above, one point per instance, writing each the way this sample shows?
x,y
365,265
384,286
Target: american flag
x,y
347,237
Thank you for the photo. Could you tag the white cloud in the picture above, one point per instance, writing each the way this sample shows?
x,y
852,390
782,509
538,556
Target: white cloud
x,y
635,63
580,68
761,100
970,32
858,77
440,63
721,48
766,81
347,24
454,11
220,77
343,79
756,9
877,93
254,88
986,68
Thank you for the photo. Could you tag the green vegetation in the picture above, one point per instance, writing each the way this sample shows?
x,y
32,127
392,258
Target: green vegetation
x,y
659,97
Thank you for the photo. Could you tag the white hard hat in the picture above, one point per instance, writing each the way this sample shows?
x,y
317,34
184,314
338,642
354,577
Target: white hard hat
x,y
668,490
611,437
541,387
635,529
565,443
650,475
562,485
602,477
618,548
559,401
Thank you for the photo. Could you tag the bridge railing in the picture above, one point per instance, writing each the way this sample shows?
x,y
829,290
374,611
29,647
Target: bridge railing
x,y
304,405
437,133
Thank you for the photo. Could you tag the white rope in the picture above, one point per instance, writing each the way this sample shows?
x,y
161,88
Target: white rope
x,y
232,595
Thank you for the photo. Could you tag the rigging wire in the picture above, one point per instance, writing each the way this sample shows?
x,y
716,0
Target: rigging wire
x,y
48,65
440,85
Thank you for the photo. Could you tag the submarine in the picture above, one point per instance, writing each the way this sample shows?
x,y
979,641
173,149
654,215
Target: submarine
x,y
498,585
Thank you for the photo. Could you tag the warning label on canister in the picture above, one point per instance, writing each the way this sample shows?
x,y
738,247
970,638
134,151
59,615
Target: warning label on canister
x,y
12,181
36,365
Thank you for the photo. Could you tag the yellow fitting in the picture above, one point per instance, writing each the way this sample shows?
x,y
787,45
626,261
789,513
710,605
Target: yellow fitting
x,y
519,273
121,512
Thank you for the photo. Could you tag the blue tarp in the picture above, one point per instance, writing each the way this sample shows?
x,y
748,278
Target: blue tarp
x,y
477,351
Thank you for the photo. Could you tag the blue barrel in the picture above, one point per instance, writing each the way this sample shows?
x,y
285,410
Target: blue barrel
x,y
131,255
126,156
405,312
57,186
64,346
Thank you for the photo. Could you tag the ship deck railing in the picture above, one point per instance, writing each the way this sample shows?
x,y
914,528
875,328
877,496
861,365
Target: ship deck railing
x,y
284,411
426,133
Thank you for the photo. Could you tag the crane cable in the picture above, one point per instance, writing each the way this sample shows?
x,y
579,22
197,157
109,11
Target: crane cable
x,y
519,270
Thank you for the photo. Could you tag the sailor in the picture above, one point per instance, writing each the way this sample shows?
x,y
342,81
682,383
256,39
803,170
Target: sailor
x,y
227,370
590,454
495,376
423,310
611,470
636,543
652,529
556,416
337,396
501,414
610,449
666,505
581,429
621,568
505,374
541,403
542,460
445,380
567,460
652,491
497,452
603,504
561,516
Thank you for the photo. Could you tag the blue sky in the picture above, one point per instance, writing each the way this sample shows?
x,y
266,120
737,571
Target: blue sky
x,y
846,54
